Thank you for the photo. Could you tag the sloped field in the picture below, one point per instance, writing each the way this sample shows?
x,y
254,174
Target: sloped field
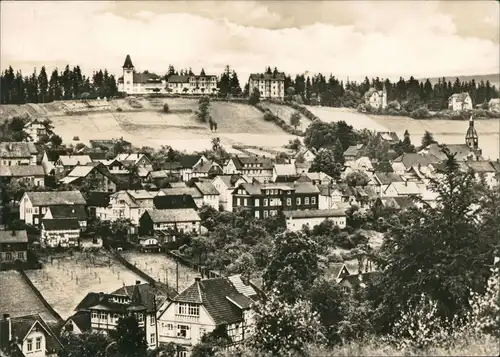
x,y
285,112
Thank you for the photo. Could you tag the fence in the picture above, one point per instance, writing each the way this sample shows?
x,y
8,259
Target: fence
x,y
40,296
204,271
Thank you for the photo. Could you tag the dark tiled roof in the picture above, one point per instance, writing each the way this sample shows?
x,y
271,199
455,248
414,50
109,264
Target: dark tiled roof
x,y
404,202
229,180
388,178
13,237
21,325
175,191
171,165
353,150
414,159
69,212
22,171
370,92
98,199
82,320
17,149
173,215
97,155
174,202
241,161
303,187
214,294
178,79
280,76
206,188
142,295
53,155
128,63
188,161
60,224
52,198
481,166
384,166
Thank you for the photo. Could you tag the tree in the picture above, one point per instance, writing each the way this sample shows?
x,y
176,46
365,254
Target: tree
x,y
130,338
295,119
338,152
56,140
86,344
293,267
235,84
434,249
166,109
254,96
405,146
427,139
211,342
216,144
43,85
203,113
285,328
357,178
324,161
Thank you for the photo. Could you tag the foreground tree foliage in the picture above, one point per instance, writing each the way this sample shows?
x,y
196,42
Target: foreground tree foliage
x,y
84,345
439,251
129,337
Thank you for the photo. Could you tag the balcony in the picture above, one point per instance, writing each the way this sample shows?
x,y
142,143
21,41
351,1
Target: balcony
x,y
187,318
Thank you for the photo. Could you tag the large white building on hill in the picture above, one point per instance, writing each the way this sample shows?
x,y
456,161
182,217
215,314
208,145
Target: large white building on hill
x,y
270,85
133,82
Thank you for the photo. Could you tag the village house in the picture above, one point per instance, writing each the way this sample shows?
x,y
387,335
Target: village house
x,y
316,178
225,185
129,204
100,312
97,177
75,213
132,82
406,188
362,164
285,173
264,200
270,85
388,137
462,152
115,167
376,98
35,130
66,163
183,201
405,162
209,193
184,220
139,160
206,305
187,163
192,84
97,200
28,335
260,168
33,205
295,220
17,153
337,271
64,233
307,154
353,152
29,175
49,159
329,196
460,101
494,105
13,246
486,170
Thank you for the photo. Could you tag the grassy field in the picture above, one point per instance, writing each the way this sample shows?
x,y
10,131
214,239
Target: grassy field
x,y
284,112
64,282
238,124
17,298
162,268
444,131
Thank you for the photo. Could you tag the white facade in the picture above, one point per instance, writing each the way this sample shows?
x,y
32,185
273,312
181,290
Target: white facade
x,y
64,238
212,201
225,192
376,98
460,101
269,87
187,227
192,84
34,343
35,130
296,224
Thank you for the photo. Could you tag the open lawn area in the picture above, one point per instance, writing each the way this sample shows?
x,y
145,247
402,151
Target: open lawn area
x,y
350,116
18,299
64,282
162,268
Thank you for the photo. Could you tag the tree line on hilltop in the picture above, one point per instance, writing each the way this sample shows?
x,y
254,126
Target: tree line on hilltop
x,y
316,89
61,85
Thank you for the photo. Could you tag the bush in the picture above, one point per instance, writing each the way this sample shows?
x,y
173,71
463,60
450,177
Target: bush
x,y
166,109
76,138
420,113
119,109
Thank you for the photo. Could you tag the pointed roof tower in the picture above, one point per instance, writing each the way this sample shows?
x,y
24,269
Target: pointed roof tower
x,y
471,137
202,73
128,63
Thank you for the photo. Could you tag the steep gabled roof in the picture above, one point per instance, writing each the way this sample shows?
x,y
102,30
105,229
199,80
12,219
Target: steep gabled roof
x,y
174,202
13,237
17,149
128,63
174,215
21,326
98,199
22,171
60,224
280,76
316,213
52,198
69,212
206,188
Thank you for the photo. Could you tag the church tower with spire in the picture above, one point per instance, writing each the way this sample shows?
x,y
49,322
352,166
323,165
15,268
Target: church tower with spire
x,y
128,75
471,137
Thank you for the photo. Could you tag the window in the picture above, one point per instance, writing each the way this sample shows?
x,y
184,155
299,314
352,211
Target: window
x,y
35,210
30,344
44,209
257,214
140,318
203,332
306,200
288,201
152,339
8,256
103,316
20,255
298,200
265,201
94,315
266,214
193,310
182,331
153,320
257,202
245,202
38,344
313,200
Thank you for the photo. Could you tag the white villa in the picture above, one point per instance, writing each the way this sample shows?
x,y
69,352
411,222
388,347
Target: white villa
x,y
133,82
270,85
193,84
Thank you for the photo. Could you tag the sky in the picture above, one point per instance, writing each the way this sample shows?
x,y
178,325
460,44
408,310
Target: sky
x,y
351,39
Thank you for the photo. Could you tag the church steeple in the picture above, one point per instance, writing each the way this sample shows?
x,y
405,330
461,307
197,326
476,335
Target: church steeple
x,y
128,63
471,137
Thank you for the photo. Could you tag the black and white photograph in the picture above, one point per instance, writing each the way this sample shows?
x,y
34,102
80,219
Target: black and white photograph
x,y
238,178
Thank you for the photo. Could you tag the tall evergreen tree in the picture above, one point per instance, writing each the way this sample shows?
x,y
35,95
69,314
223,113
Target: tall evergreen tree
x,y
235,84
43,85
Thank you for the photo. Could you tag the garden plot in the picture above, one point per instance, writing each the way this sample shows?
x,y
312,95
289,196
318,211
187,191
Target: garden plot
x,y
17,298
65,281
162,268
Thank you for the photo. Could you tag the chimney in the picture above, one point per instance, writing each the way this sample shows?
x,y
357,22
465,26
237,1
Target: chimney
x,y
101,295
137,282
197,279
5,330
